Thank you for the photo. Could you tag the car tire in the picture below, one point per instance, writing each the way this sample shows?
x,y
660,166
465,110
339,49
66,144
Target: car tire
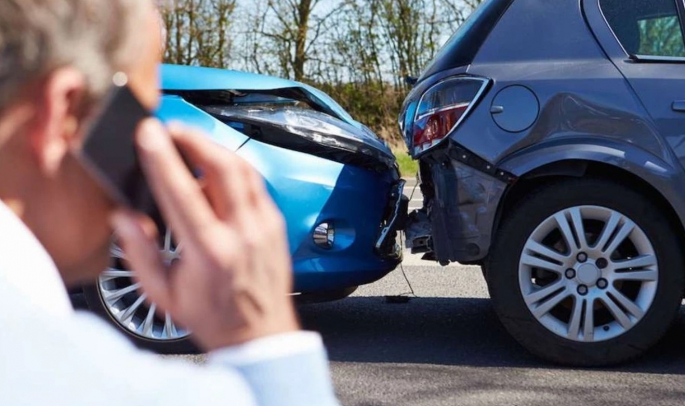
x,y
584,328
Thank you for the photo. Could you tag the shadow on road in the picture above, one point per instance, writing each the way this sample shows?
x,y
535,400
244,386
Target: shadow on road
x,y
448,331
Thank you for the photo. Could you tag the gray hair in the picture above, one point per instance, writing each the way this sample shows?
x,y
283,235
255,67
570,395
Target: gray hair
x,y
39,36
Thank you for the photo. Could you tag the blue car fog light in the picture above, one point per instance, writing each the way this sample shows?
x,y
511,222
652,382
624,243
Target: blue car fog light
x,y
324,235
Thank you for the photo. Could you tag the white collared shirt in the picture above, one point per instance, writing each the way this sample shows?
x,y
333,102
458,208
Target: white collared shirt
x,y
53,355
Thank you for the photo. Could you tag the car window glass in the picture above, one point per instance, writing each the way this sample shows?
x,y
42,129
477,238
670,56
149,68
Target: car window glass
x,y
646,27
661,36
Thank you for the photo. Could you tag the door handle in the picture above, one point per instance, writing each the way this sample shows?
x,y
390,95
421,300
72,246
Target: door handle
x,y
679,106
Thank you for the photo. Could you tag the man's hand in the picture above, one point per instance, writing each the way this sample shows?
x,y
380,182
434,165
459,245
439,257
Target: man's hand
x,y
232,282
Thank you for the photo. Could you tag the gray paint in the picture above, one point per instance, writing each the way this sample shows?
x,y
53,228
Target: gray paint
x,y
515,109
595,105
463,211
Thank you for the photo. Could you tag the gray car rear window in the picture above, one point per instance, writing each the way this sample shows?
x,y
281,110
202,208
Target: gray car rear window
x,y
646,27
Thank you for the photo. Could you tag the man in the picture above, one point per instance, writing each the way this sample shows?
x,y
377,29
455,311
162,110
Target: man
x,y
57,58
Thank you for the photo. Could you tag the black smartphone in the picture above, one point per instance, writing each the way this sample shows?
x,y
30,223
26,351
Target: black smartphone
x,y
109,151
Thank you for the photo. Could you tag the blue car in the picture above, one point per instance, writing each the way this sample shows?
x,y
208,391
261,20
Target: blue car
x,y
335,181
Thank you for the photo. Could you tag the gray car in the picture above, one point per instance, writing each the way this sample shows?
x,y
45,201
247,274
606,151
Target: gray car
x,y
551,140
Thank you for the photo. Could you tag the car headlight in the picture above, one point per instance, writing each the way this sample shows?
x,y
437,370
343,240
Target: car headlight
x,y
311,132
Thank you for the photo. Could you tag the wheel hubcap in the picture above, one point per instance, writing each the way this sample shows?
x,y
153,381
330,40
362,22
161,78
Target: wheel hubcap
x,y
588,273
120,294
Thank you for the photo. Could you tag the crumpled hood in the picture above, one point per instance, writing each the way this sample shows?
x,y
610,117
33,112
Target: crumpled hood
x,y
188,78
276,111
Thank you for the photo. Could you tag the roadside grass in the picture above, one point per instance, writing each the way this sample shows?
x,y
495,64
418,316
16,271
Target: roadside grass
x,y
408,167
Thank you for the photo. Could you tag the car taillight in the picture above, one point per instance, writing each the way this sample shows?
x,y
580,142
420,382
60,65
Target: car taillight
x,y
442,108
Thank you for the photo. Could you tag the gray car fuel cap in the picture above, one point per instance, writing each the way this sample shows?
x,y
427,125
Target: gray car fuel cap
x,y
515,108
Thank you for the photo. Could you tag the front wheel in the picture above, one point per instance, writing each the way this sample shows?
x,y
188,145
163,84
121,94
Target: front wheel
x,y
586,273
116,296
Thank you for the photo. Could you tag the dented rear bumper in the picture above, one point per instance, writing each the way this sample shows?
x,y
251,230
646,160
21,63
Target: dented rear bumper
x,y
461,200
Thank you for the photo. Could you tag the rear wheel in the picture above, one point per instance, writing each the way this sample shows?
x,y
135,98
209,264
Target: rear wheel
x,y
586,272
116,296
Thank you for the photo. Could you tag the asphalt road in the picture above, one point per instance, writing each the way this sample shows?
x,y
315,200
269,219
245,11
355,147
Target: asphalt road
x,y
446,347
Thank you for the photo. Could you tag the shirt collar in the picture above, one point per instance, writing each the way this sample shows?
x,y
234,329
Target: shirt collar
x,y
26,267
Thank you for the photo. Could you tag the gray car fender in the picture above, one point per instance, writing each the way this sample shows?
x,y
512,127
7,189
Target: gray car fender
x,y
667,179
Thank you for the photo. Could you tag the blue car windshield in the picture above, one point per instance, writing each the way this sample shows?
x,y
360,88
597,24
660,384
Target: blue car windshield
x,y
462,47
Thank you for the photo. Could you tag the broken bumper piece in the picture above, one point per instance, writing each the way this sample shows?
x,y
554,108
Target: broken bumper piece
x,y
456,224
395,220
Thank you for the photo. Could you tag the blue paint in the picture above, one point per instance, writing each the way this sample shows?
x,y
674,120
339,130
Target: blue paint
x,y
311,190
176,77
308,189
175,109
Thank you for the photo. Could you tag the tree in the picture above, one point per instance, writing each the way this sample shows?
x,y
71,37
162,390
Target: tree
x,y
661,36
455,13
295,32
411,30
198,32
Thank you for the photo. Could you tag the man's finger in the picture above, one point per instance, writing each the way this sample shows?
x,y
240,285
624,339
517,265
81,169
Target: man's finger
x,y
142,252
176,191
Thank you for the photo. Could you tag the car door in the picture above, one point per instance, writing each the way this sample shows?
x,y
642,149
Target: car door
x,y
652,59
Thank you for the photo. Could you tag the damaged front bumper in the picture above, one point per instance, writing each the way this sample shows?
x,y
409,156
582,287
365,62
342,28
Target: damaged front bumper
x,y
395,220
457,221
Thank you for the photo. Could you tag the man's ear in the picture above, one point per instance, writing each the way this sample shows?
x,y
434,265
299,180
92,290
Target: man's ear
x,y
58,112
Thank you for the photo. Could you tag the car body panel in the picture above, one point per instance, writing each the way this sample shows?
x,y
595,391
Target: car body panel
x,y
175,109
589,111
658,84
315,191
462,211
308,189
175,77
664,176
557,71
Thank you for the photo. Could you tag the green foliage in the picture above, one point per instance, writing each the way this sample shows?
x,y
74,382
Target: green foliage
x,y
661,36
408,167
375,104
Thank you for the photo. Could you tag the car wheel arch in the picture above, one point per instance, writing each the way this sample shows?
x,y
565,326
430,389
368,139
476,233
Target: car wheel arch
x,y
588,167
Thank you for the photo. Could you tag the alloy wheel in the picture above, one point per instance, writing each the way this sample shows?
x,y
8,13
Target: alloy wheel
x,y
588,273
121,295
